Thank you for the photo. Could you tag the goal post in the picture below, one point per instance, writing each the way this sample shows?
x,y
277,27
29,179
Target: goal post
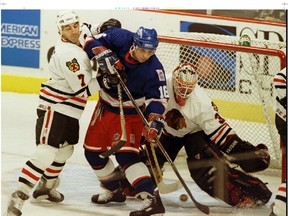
x,y
239,80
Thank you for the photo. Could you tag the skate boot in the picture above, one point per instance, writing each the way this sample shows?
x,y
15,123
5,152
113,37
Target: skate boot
x,y
15,205
109,196
46,190
152,205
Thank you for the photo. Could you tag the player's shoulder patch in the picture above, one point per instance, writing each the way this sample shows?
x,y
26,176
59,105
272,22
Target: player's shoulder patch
x,y
73,65
161,75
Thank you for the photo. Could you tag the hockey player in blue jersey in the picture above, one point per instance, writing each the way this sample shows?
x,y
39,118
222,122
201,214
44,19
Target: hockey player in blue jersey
x,y
133,55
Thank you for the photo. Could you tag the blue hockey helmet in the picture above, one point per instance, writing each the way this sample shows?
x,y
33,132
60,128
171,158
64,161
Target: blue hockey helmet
x,y
146,38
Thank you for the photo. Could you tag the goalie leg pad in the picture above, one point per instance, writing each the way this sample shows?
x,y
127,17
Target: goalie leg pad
x,y
245,190
204,177
214,176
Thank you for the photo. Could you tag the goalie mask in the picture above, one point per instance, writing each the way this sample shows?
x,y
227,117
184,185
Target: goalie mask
x,y
146,39
184,81
66,17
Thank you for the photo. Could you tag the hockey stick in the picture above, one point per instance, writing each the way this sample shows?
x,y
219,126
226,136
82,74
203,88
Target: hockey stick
x,y
204,208
123,138
157,173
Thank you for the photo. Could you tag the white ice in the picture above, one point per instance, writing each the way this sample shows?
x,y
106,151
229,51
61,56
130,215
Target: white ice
x,y
78,182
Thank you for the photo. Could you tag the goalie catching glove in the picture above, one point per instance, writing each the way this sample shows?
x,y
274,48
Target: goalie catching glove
x,y
249,157
155,128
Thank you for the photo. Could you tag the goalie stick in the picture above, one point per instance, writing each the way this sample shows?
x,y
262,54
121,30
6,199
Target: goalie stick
x,y
157,173
204,208
123,138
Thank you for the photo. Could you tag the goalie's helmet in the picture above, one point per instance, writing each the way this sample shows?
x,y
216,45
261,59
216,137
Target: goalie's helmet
x,y
146,38
66,17
185,79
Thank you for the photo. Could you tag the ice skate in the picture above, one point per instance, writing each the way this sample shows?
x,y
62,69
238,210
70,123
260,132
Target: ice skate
x,y
152,205
15,205
109,196
47,191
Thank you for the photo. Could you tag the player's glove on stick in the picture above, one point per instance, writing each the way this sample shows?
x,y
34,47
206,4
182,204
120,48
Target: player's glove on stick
x,y
155,128
109,81
108,62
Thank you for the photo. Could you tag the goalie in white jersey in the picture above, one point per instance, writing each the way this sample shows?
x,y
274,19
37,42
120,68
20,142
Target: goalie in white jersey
x,y
192,121
62,101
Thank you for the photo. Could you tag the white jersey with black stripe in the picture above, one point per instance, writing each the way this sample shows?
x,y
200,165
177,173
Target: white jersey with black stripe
x,y
281,93
199,113
71,81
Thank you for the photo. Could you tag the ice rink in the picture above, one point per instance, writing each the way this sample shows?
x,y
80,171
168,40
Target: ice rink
x,y
78,182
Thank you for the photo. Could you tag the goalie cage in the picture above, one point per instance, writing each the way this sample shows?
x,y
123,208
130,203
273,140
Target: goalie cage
x,y
239,80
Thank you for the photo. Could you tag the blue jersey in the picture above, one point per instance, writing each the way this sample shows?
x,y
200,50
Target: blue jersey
x,y
146,81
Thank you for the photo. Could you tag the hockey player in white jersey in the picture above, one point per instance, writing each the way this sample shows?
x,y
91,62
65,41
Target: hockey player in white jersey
x,y
192,121
279,206
62,101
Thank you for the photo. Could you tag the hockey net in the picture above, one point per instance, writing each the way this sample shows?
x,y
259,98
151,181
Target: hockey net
x,y
239,80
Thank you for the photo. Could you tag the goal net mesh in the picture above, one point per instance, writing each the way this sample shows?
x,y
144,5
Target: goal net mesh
x,y
238,79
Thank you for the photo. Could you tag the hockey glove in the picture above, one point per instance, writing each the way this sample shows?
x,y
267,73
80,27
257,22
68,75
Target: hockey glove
x,y
108,24
249,157
86,27
155,128
107,60
108,81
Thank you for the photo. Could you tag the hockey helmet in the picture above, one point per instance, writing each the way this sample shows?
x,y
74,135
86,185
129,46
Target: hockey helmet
x,y
185,79
66,17
146,38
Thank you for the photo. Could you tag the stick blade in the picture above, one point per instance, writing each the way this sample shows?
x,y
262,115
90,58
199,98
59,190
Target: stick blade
x,y
205,209
113,149
168,188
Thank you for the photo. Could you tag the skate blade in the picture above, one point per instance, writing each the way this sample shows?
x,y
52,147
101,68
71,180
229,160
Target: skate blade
x,y
40,199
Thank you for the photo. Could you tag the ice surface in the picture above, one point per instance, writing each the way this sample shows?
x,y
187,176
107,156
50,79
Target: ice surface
x,y
78,182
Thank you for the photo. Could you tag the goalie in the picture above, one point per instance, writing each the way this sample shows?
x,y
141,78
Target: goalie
x,y
192,121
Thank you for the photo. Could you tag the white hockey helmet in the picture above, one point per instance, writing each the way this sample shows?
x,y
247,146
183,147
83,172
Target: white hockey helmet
x,y
66,17
184,80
